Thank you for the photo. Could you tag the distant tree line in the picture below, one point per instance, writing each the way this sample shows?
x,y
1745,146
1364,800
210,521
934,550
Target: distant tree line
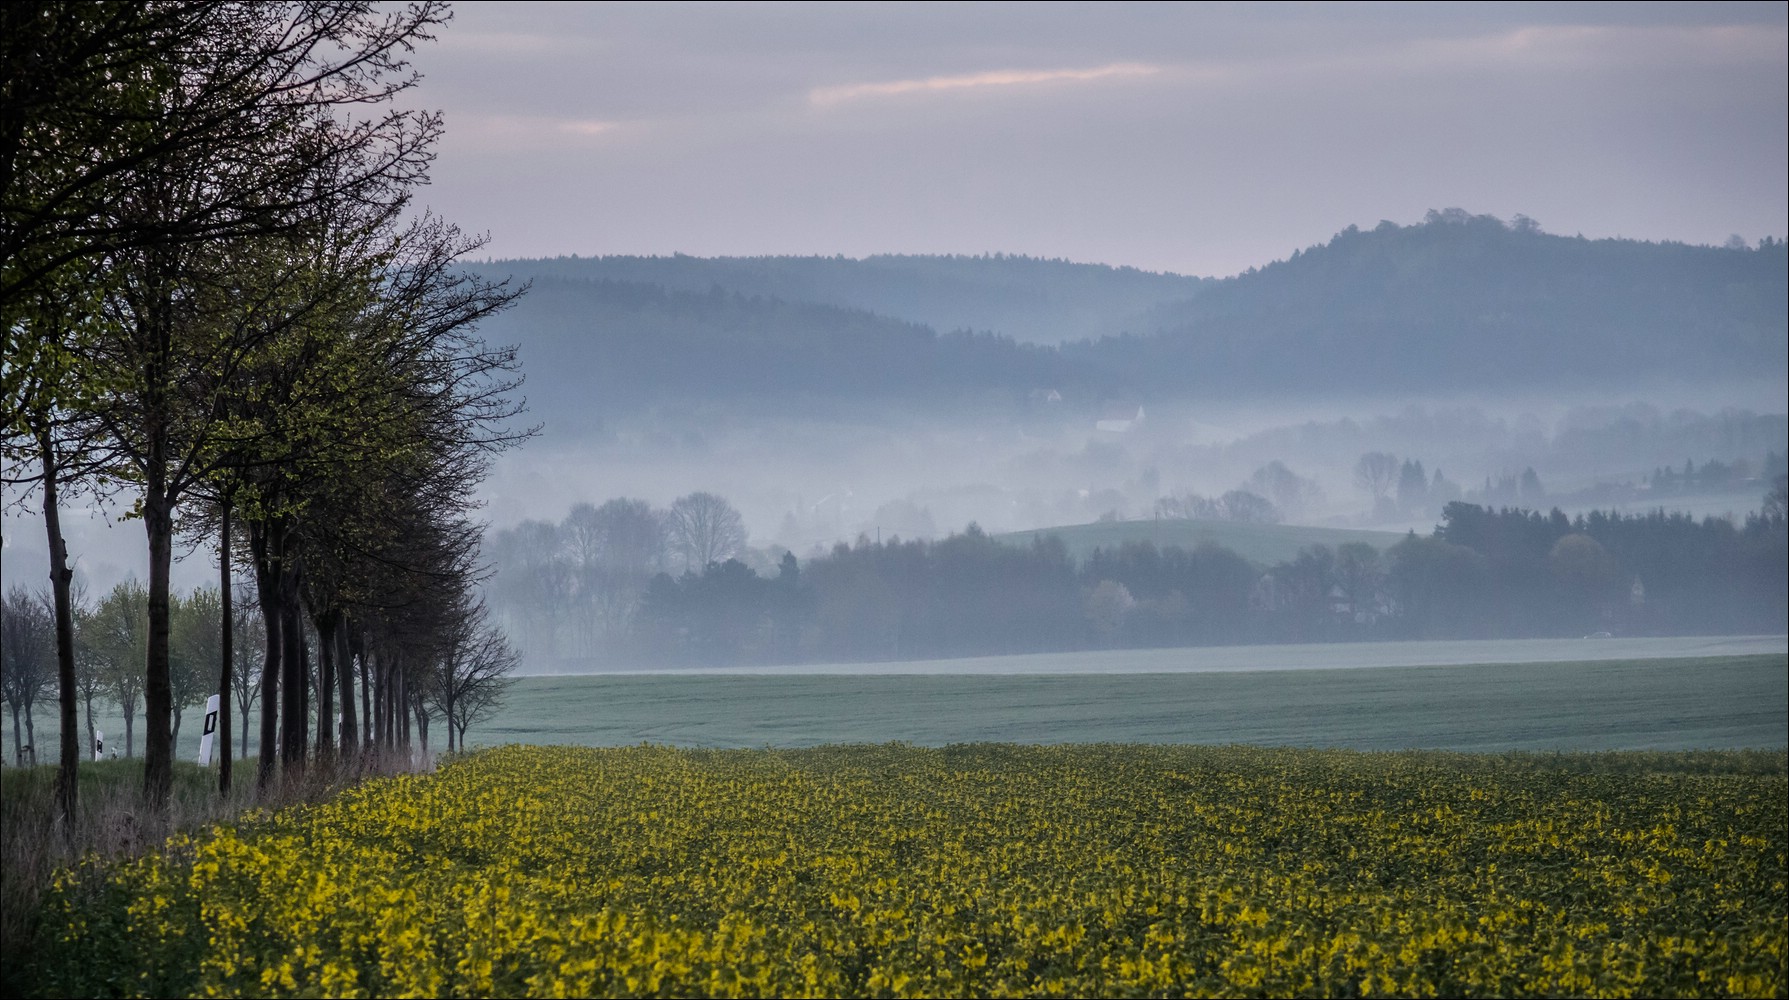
x,y
1506,572
1712,475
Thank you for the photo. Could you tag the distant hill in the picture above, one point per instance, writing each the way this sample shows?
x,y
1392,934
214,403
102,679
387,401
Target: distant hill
x,y
1262,544
1026,298
1467,301
1457,302
594,348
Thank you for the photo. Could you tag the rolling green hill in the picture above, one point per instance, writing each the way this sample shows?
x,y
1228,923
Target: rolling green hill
x,y
1263,544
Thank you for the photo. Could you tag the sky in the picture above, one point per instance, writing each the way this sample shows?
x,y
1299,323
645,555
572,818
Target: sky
x,y
1202,139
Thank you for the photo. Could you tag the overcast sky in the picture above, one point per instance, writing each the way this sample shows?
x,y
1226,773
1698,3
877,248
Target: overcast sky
x,y
1200,139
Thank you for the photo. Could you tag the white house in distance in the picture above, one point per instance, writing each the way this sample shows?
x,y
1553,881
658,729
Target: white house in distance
x,y
1120,418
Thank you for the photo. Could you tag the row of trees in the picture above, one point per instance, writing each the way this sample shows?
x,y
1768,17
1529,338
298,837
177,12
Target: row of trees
x,y
1483,573
1271,495
216,298
1713,474
111,642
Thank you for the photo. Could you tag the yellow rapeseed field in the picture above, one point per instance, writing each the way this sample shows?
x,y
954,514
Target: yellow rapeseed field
x,y
971,870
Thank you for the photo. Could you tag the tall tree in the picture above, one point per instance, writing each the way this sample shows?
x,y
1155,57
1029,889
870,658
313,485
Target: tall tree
x,y
27,662
120,637
706,529
139,135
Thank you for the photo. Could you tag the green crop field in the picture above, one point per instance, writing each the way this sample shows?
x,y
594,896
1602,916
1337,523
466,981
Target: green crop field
x,y
1212,696
1731,701
1263,544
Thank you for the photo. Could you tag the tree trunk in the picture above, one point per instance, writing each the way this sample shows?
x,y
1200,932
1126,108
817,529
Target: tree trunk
x,y
403,710
389,666
18,737
394,667
266,589
68,750
158,693
245,697
294,720
375,668
366,695
345,674
326,667
226,640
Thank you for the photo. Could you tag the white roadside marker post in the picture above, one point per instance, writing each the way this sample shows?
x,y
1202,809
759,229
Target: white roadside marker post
x,y
99,744
210,732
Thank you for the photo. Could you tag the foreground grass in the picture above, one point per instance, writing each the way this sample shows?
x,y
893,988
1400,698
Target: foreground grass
x,y
965,870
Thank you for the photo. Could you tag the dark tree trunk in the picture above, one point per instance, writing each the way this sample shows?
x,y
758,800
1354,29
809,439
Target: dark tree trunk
x,y
326,667
366,695
68,749
158,523
345,673
375,666
261,543
388,689
226,640
403,711
294,721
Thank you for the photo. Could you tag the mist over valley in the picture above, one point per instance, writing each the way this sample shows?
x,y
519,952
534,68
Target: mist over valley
x,y
1346,394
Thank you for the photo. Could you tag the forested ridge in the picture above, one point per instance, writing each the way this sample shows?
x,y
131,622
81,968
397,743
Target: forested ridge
x,y
1027,298
1458,301
603,347
1465,300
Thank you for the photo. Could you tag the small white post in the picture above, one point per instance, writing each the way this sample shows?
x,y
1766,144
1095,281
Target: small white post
x,y
210,731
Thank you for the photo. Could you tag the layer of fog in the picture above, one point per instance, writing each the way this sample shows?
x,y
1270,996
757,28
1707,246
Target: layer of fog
x,y
1441,653
807,484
